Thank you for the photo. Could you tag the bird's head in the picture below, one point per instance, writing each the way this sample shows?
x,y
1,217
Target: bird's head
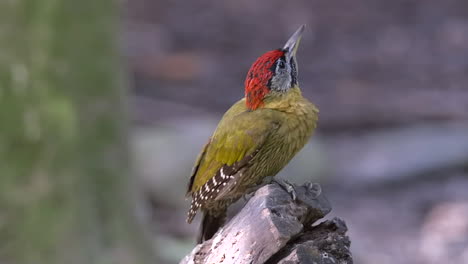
x,y
274,72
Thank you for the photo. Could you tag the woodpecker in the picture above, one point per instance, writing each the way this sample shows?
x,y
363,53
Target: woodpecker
x,y
255,138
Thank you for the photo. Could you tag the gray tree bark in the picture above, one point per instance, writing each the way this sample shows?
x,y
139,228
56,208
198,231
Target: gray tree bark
x,y
274,228
63,153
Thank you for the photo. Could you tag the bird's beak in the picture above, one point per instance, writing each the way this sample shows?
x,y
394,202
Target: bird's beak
x,y
293,42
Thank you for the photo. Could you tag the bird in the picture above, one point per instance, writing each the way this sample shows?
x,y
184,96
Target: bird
x,y
255,139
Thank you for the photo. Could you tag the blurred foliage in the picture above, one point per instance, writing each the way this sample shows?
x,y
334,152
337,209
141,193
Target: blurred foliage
x,y
63,153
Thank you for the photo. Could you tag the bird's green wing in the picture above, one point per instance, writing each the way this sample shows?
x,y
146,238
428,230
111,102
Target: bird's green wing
x,y
238,137
199,159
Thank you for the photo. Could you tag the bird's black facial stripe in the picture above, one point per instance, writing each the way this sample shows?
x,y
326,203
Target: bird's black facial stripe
x,y
293,72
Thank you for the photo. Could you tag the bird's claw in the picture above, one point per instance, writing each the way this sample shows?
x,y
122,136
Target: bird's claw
x,y
288,187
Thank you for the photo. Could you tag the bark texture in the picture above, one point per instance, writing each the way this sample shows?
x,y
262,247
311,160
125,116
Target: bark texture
x,y
273,228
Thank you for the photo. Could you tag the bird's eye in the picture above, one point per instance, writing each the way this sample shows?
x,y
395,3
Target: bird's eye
x,y
281,64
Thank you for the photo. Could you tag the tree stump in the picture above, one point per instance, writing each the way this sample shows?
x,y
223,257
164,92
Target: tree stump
x,y
274,228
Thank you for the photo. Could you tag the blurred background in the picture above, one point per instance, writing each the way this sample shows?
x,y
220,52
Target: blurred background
x,y
390,79
100,96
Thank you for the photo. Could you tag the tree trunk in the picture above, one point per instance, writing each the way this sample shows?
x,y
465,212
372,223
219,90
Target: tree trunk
x,y
63,145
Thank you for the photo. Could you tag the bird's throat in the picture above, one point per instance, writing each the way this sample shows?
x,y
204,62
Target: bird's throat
x,y
282,100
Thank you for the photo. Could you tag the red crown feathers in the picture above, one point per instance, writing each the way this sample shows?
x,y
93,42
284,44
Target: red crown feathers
x,y
256,83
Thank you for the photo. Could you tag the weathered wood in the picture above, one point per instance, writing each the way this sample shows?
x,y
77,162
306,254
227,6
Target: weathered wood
x,y
273,228
325,243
